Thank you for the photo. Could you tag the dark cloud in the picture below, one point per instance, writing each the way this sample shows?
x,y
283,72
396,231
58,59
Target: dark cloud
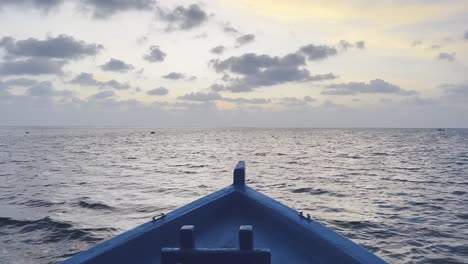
x,y
102,96
44,5
308,99
245,39
33,66
158,91
61,47
87,79
174,76
263,70
116,66
183,18
373,87
360,44
249,63
45,89
201,97
105,8
155,54
218,49
446,56
320,52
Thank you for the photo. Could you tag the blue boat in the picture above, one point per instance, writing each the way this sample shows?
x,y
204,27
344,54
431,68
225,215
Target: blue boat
x,y
233,225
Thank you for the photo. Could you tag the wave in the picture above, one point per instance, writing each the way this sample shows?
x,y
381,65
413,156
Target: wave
x,y
97,206
39,203
309,190
55,231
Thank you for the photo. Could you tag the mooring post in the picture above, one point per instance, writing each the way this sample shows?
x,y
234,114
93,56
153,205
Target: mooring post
x,y
187,241
246,237
239,174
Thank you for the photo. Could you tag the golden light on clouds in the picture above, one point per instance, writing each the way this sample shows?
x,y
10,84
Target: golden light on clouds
x,y
382,13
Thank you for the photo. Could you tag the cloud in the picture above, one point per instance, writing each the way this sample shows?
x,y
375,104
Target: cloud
x,y
320,52
155,54
61,47
245,39
20,82
241,100
456,91
116,66
322,77
101,95
360,44
158,91
179,76
263,70
218,49
44,5
345,44
183,18
87,79
174,76
33,66
227,28
200,97
308,99
466,35
211,96
45,89
102,9
373,87
446,56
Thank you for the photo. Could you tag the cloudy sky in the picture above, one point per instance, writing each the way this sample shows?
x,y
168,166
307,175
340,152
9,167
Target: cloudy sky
x,y
333,63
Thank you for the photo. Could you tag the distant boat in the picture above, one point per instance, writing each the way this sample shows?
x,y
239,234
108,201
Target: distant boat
x,y
233,225
440,129
152,132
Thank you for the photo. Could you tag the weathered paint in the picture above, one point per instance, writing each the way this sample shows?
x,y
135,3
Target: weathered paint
x,y
290,237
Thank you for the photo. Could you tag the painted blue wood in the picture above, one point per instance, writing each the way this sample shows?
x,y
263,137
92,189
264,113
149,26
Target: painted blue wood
x,y
189,254
239,174
291,237
214,256
246,237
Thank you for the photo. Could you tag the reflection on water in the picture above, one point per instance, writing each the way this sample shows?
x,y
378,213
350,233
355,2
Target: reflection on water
x,y
399,192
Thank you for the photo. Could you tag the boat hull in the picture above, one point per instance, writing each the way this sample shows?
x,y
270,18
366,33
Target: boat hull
x,y
289,236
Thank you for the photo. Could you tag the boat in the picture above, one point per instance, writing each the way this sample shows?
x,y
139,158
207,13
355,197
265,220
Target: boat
x,y
233,225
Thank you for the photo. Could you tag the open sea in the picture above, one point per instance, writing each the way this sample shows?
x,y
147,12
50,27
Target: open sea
x,y
401,193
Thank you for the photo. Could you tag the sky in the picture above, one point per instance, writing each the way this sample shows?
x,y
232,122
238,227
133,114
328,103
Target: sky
x,y
234,63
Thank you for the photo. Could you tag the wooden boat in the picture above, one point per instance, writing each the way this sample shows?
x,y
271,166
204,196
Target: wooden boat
x,y
233,225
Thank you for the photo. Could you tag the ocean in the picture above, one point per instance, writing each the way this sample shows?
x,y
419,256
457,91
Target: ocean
x,y
401,193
